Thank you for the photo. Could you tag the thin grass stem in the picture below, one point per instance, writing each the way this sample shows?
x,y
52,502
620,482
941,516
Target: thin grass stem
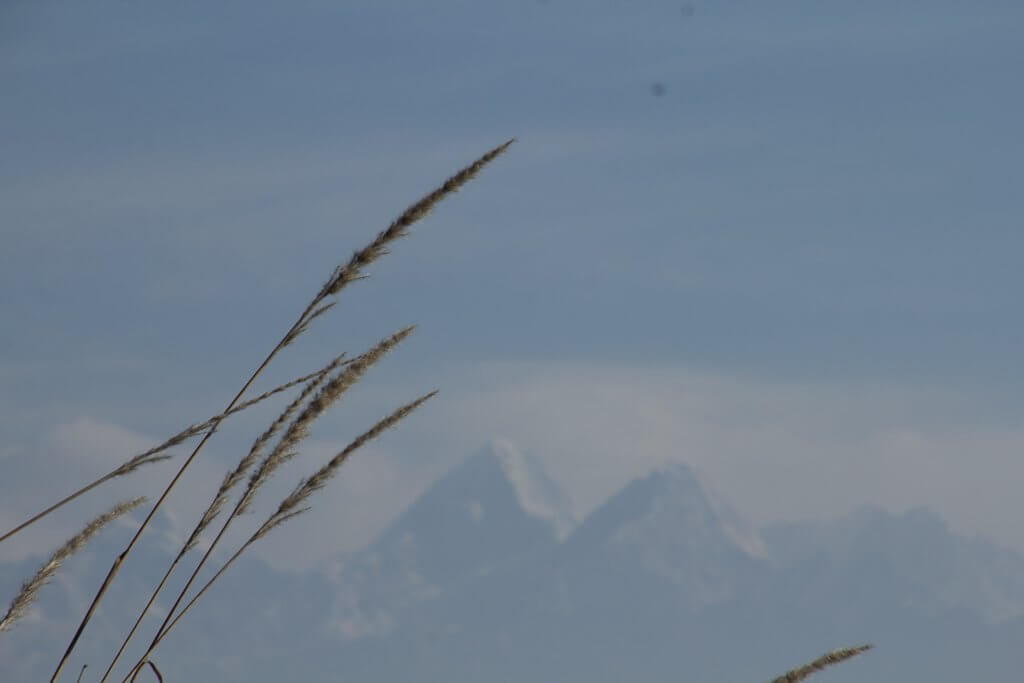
x,y
153,454
220,498
341,277
285,448
287,510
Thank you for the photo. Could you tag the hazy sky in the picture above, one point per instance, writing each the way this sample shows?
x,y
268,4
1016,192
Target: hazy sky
x,y
778,240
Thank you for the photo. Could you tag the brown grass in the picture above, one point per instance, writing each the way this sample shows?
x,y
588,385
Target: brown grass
x,y
157,453
319,305
823,662
297,431
220,499
320,390
30,589
288,509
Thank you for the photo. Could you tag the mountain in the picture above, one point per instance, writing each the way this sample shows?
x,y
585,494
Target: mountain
x,y
664,581
486,576
493,508
909,560
667,528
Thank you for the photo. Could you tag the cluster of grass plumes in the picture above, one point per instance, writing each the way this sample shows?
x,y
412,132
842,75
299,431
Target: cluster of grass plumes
x,y
319,391
276,446
158,452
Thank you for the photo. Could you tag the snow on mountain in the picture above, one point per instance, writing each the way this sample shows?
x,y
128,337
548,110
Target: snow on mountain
x,y
667,526
477,580
538,494
493,507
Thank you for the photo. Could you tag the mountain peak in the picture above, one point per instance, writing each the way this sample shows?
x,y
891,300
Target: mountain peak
x,y
692,490
673,496
676,530
539,496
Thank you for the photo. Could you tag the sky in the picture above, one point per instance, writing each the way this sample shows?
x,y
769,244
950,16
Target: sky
x,y
778,241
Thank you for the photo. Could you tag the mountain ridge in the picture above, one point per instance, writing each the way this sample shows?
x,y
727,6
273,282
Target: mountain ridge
x,y
664,579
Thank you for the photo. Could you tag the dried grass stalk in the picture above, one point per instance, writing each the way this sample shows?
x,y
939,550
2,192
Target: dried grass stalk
x,y
313,315
30,589
284,451
235,476
200,427
339,278
156,454
231,479
290,507
298,430
353,270
826,660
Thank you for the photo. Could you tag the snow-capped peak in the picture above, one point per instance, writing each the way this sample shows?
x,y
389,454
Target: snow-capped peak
x,y
744,534
538,494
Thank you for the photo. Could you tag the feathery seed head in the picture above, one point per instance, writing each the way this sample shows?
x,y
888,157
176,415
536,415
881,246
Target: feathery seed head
x,y
30,589
351,271
289,506
823,662
232,478
298,430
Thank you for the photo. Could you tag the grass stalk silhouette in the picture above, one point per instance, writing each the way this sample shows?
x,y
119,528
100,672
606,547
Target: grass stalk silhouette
x,y
231,479
823,662
156,453
289,508
30,589
341,277
320,390
285,449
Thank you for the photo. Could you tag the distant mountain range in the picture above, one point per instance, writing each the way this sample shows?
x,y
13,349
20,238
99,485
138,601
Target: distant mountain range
x,y
487,577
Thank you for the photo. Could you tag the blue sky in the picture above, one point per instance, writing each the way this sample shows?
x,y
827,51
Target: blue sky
x,y
777,240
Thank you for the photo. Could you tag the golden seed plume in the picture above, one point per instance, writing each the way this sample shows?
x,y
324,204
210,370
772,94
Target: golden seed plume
x,y
221,497
283,451
156,453
193,430
328,394
232,478
826,660
315,308
351,271
304,325
30,589
290,506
